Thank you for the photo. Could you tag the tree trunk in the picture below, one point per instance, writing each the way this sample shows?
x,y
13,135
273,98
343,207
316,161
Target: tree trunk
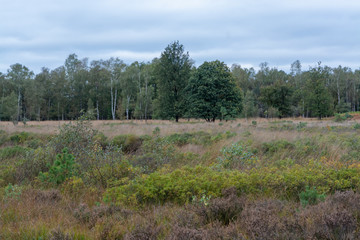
x,y
113,100
18,110
127,107
97,109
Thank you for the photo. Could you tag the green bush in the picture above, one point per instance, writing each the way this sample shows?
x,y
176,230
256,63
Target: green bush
x,y
310,196
342,117
301,125
12,192
237,156
128,143
356,126
182,184
20,137
12,152
3,137
62,169
275,146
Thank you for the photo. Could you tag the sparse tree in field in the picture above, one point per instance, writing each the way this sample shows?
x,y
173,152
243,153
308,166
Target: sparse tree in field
x,y
212,93
172,73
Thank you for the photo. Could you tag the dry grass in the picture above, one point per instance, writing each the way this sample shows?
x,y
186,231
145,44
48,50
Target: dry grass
x,y
112,128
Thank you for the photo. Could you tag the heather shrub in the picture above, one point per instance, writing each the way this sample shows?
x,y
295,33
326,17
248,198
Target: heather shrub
x,y
224,209
46,196
58,234
327,221
268,219
213,231
185,233
145,231
90,216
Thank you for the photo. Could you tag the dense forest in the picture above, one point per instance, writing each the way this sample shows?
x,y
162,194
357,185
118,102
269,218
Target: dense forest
x,y
171,87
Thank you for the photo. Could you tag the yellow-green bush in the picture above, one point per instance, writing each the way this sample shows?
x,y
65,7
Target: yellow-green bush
x,y
181,185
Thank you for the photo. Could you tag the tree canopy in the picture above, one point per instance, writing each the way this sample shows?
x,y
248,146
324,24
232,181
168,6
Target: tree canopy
x,y
212,92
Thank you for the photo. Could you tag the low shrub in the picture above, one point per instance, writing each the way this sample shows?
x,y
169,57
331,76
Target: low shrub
x,y
237,156
267,220
19,138
12,152
224,209
276,146
182,184
63,168
128,143
310,196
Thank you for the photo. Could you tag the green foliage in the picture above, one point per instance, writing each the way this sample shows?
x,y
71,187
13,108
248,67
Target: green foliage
x,y
156,131
310,196
63,168
249,107
12,192
20,137
156,152
356,126
172,73
301,125
198,138
342,117
237,156
182,184
12,152
318,98
254,123
212,93
276,146
128,143
278,97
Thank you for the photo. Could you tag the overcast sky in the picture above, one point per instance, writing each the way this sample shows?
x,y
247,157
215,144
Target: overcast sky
x,y
42,33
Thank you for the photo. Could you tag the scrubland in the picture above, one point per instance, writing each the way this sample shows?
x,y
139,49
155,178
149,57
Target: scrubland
x,y
240,179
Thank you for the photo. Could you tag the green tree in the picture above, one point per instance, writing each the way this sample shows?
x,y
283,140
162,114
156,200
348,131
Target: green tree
x,y
249,107
318,98
173,73
278,96
212,92
18,75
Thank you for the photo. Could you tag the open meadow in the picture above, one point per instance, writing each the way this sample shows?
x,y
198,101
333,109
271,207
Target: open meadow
x,y
238,179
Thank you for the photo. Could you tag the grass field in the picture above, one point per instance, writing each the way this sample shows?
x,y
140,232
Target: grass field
x,y
241,179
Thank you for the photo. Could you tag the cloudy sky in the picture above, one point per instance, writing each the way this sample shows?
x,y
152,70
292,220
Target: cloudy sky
x,y
42,33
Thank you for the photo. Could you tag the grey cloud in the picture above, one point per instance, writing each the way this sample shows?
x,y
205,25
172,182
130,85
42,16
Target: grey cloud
x,y
42,33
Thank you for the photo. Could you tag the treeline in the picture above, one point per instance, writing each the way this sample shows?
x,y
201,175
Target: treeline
x,y
171,87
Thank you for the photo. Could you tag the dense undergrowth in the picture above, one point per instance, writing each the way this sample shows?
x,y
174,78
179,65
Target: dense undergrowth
x,y
302,182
